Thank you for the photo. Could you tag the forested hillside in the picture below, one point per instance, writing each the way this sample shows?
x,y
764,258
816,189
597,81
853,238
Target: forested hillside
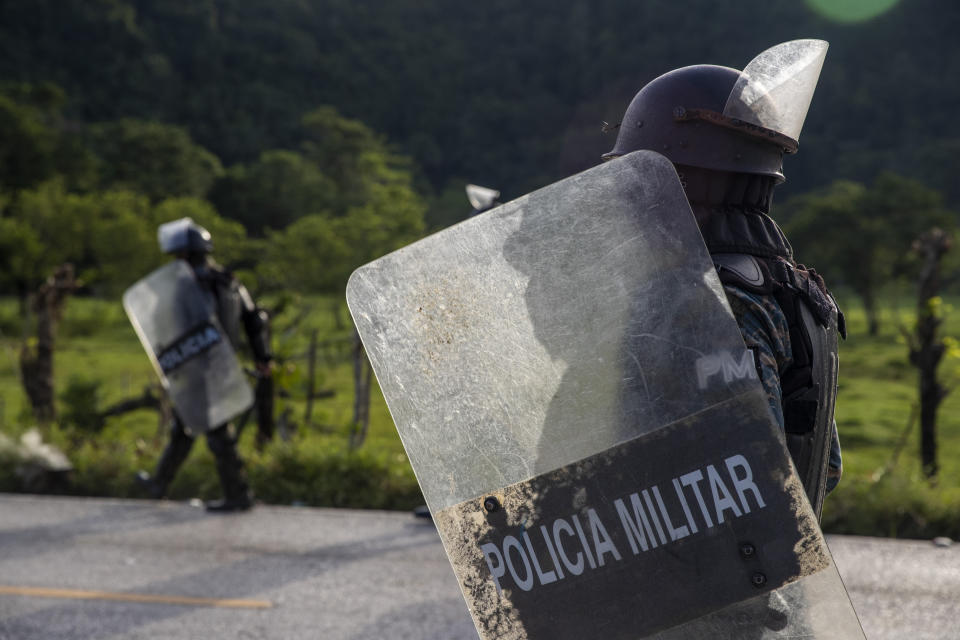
x,y
509,94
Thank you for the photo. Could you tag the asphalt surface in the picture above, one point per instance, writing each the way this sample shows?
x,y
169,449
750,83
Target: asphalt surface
x,y
95,568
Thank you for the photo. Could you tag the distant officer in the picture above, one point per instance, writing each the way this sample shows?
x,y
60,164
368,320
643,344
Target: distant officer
x,y
727,132
234,308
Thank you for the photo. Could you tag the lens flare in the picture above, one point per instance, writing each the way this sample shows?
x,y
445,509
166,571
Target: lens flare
x,y
848,11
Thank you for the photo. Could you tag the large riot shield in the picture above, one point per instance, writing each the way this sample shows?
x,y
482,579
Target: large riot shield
x,y
587,425
178,326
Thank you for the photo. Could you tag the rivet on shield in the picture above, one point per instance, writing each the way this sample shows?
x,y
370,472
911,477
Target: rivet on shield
x,y
491,504
747,550
758,579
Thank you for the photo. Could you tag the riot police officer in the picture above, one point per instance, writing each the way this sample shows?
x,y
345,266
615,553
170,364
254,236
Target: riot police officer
x,y
726,132
234,309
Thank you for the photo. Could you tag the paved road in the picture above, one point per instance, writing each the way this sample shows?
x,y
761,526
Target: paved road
x,y
151,571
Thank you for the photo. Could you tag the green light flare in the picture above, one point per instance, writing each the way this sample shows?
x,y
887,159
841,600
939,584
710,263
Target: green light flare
x,y
849,11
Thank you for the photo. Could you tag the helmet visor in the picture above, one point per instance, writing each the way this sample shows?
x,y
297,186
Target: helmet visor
x,y
183,235
774,91
481,197
172,236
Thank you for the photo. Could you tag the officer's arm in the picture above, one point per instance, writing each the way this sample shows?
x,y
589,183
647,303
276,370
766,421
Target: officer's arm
x,y
765,333
256,324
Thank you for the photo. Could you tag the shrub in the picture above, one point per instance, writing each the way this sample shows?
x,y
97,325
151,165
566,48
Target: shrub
x,y
320,472
80,404
896,506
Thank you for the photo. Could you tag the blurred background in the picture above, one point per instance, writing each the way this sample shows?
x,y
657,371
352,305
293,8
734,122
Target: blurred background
x,y
312,136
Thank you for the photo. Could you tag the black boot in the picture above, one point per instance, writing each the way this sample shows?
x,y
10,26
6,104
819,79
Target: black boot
x,y
149,485
225,505
176,451
236,492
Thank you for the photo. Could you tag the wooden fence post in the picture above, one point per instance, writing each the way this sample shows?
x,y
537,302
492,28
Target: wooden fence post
x,y
362,377
311,376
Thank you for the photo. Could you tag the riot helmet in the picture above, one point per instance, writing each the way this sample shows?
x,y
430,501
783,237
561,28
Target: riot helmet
x,y
721,119
482,198
184,236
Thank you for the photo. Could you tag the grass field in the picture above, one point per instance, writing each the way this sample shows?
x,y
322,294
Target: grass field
x,y
883,491
97,348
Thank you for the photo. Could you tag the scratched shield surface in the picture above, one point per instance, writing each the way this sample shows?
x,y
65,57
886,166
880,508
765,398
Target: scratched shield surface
x,y
587,426
187,347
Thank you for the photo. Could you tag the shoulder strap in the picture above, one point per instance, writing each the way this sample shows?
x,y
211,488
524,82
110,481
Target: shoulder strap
x,y
744,271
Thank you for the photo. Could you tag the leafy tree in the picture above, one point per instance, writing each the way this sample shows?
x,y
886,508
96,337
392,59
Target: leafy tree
x,y
36,142
21,258
927,344
317,254
108,236
862,236
354,156
155,159
372,210
281,187
308,256
27,146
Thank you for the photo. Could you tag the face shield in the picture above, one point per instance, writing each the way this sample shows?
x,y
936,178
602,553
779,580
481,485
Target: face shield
x,y
481,197
774,91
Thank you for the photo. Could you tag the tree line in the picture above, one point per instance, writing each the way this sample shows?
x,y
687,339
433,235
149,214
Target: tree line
x,y
507,94
299,218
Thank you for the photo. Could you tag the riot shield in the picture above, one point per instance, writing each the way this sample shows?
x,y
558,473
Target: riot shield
x,y
188,348
587,426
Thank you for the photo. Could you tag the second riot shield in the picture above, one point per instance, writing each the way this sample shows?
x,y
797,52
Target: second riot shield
x,y
188,348
587,425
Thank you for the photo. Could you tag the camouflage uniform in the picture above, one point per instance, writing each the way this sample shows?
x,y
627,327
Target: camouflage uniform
x,y
764,329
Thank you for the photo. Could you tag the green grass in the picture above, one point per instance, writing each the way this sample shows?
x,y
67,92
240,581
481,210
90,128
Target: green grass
x,y
876,396
96,344
884,492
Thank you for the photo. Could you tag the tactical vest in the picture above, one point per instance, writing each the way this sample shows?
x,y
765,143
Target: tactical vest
x,y
235,309
809,385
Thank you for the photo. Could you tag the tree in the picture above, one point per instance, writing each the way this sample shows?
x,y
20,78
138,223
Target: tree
x,y
27,146
317,253
21,258
355,157
36,356
372,208
927,347
862,236
108,236
155,159
273,192
36,142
